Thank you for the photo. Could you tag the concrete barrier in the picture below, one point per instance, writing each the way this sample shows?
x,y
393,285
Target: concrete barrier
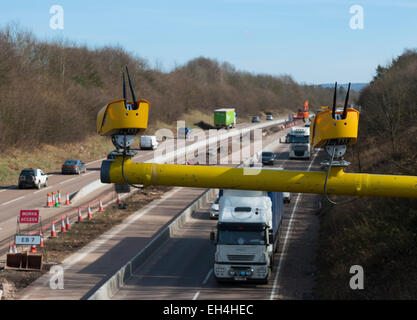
x,y
91,187
118,280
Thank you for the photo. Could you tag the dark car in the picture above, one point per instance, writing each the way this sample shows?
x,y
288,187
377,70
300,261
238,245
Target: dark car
x,y
256,119
268,157
73,166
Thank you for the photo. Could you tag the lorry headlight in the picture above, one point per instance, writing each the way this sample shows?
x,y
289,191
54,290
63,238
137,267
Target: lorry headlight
x,y
219,270
232,273
248,273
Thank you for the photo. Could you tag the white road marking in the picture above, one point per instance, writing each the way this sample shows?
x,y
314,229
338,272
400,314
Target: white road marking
x,y
86,174
208,276
284,246
95,161
204,282
68,180
13,200
42,189
3,190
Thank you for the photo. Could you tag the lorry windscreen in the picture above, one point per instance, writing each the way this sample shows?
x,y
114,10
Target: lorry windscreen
x,y
241,237
299,139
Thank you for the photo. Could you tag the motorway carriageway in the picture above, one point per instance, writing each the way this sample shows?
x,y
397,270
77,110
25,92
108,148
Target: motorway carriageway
x,y
88,269
183,267
12,199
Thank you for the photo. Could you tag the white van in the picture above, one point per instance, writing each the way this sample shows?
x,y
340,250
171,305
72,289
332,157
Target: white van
x,y
148,142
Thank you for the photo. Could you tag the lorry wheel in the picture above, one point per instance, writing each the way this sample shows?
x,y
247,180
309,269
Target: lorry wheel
x,y
38,186
46,183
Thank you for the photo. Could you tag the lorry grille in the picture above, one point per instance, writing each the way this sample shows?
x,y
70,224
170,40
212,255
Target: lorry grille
x,y
299,153
240,257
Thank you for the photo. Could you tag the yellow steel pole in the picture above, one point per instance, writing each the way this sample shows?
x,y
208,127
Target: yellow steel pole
x,y
339,182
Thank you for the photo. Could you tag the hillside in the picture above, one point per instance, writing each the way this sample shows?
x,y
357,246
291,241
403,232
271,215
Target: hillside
x,y
378,234
50,92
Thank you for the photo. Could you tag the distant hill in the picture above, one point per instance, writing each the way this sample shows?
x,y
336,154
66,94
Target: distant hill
x,y
354,86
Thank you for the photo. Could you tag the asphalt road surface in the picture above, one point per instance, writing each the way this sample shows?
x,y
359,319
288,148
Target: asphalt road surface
x,y
183,267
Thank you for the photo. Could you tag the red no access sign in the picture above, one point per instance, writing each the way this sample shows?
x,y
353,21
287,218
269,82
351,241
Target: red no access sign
x,y
29,216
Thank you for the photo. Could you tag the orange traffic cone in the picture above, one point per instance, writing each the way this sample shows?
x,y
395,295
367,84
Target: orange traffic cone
x,y
53,232
53,198
119,201
80,218
63,225
67,202
100,206
68,224
41,245
90,216
10,247
59,196
49,202
33,249
14,248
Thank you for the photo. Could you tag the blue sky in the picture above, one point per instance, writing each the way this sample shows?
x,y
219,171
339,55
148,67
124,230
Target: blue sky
x,y
308,39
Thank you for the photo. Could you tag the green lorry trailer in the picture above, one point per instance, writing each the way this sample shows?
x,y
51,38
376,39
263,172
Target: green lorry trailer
x,y
225,118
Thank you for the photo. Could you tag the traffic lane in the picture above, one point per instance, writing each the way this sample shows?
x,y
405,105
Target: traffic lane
x,y
12,193
298,257
32,200
174,271
8,222
182,267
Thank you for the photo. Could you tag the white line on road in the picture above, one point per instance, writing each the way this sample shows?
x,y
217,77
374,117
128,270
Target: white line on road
x,y
208,276
204,282
42,189
13,200
3,190
95,161
68,180
284,246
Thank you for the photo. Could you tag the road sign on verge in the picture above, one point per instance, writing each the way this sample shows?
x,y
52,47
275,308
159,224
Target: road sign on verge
x,y
20,239
29,216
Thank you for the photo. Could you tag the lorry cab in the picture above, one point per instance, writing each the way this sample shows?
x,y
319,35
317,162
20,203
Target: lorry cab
x,y
299,139
247,235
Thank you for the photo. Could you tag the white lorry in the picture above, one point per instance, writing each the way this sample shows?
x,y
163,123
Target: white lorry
x,y
247,235
148,142
299,140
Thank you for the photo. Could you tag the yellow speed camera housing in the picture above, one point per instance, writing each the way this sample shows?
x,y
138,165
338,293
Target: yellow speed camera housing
x,y
119,117
326,130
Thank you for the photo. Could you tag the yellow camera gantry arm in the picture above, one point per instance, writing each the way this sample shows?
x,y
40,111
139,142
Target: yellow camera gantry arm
x,y
330,129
